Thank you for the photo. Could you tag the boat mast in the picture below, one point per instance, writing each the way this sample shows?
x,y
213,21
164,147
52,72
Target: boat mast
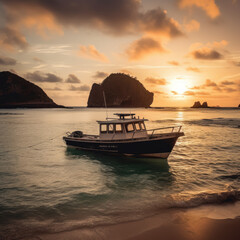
x,y
104,97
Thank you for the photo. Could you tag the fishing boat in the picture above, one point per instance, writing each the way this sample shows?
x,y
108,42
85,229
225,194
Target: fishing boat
x,y
127,135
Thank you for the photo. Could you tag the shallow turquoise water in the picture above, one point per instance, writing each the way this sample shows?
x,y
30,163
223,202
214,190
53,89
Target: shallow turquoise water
x,y
47,187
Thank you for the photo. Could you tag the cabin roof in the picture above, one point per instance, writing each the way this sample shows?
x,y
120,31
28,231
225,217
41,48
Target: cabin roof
x,y
133,120
122,119
124,114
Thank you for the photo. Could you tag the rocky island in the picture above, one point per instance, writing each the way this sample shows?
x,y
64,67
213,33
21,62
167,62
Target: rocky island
x,y
121,90
16,92
199,105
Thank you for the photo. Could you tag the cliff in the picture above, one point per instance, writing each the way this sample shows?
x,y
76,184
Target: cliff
x,y
16,92
120,90
199,105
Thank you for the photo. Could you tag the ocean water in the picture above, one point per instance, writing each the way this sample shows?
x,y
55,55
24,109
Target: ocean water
x,y
46,187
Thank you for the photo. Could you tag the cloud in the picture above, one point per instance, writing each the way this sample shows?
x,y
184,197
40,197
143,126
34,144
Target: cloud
x,y
222,87
72,79
174,63
157,22
191,26
229,90
209,6
92,53
6,61
99,74
11,39
161,81
227,83
194,69
212,45
206,54
209,83
143,47
38,76
189,93
115,17
81,88
174,92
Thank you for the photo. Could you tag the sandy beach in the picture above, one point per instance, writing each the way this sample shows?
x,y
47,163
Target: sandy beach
x,y
210,222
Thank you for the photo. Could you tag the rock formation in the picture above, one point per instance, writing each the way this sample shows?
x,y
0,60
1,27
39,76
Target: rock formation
x,y
239,105
199,105
120,90
205,105
16,92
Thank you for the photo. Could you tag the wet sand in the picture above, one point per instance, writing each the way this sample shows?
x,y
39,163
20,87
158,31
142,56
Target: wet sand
x,y
211,222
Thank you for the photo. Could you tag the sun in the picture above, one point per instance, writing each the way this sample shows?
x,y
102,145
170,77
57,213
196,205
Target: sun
x,y
178,86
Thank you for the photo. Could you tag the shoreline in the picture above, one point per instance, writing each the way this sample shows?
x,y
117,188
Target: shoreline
x,y
208,222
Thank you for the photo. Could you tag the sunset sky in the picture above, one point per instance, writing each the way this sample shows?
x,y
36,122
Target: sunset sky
x,y
182,50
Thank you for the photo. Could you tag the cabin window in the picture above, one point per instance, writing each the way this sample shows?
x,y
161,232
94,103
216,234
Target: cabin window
x,y
142,126
103,128
137,126
110,128
118,128
130,127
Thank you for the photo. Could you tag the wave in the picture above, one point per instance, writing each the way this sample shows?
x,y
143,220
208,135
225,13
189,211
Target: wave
x,y
223,122
204,198
227,122
31,227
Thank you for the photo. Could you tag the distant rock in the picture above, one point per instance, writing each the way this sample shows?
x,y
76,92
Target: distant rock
x,y
120,90
205,105
199,105
16,92
239,105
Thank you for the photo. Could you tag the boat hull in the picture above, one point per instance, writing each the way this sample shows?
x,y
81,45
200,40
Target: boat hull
x,y
151,147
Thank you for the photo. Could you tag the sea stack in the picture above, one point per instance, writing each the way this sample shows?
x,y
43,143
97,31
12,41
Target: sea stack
x,y
16,92
120,90
205,105
199,105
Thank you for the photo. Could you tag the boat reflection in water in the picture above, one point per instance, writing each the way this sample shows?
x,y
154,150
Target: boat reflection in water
x,y
122,166
127,135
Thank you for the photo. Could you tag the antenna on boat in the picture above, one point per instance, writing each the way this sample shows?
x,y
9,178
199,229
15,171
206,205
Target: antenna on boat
x,y
104,97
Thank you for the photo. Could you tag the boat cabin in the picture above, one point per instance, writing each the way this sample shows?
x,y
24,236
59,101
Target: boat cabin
x,y
126,126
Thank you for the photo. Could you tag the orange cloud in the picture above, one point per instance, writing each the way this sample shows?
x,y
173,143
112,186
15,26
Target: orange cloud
x,y
156,22
189,93
161,81
208,51
31,16
209,6
44,24
92,53
11,39
206,54
191,26
144,47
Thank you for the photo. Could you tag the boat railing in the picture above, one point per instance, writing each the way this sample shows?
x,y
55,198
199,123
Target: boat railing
x,y
176,129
